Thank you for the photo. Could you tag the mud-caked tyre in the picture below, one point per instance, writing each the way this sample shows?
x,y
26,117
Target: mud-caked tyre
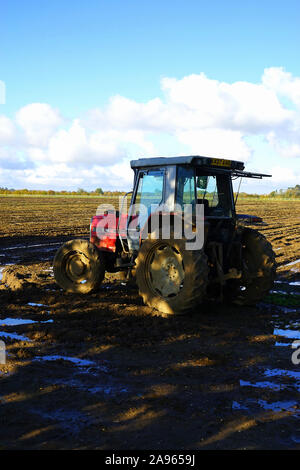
x,y
258,273
79,267
170,278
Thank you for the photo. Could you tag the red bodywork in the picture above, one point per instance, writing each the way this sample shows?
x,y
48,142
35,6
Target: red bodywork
x,y
105,229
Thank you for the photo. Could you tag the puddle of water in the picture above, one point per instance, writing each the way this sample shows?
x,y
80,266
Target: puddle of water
x,y
284,309
90,368
71,420
21,247
33,304
288,333
277,406
15,321
74,360
263,384
276,373
3,334
282,372
20,321
284,292
238,406
50,271
110,390
292,263
43,244
276,308
289,330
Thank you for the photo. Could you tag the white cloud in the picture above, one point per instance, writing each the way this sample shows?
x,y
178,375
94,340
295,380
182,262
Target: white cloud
x,y
282,83
75,146
285,175
38,121
209,103
7,130
201,115
216,143
286,144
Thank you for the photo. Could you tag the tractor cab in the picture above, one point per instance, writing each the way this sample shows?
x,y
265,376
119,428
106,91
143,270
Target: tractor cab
x,y
188,180
170,184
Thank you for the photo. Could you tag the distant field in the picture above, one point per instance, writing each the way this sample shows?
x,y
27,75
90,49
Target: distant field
x,y
48,216
57,216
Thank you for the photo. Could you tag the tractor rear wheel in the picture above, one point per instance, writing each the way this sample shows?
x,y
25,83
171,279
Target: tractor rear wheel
x,y
170,278
78,267
258,273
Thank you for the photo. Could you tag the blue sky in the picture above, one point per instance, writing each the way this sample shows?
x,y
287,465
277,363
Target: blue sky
x,y
98,75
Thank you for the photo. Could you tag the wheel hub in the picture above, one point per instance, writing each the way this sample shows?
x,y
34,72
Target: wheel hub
x,y
166,272
76,267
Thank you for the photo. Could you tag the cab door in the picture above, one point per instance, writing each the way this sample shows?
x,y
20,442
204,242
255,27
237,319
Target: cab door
x,y
148,196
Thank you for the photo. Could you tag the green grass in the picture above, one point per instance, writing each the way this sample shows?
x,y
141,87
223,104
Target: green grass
x,y
106,196
286,300
61,195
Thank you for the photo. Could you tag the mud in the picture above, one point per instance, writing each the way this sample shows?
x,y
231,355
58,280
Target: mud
x,y
105,372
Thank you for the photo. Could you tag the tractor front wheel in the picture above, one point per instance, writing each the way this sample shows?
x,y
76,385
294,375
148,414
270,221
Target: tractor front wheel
x,y
78,267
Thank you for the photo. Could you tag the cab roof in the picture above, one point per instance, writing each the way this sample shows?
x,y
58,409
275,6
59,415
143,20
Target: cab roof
x,y
193,160
234,167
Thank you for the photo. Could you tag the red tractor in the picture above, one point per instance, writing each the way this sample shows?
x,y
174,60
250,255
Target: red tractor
x,y
233,262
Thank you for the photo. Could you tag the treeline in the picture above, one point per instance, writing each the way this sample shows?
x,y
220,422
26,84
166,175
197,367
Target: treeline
x,y
50,192
289,193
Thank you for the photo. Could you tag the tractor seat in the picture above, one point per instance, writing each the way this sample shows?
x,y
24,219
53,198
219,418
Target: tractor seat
x,y
206,205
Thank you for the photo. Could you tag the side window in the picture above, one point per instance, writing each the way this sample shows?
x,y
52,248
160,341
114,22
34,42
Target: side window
x,y
207,189
185,190
214,191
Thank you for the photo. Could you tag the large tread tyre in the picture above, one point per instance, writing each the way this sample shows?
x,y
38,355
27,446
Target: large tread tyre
x,y
78,267
170,278
259,270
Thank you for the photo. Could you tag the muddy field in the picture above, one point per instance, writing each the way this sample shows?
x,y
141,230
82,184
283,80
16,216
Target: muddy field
x,y
106,372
